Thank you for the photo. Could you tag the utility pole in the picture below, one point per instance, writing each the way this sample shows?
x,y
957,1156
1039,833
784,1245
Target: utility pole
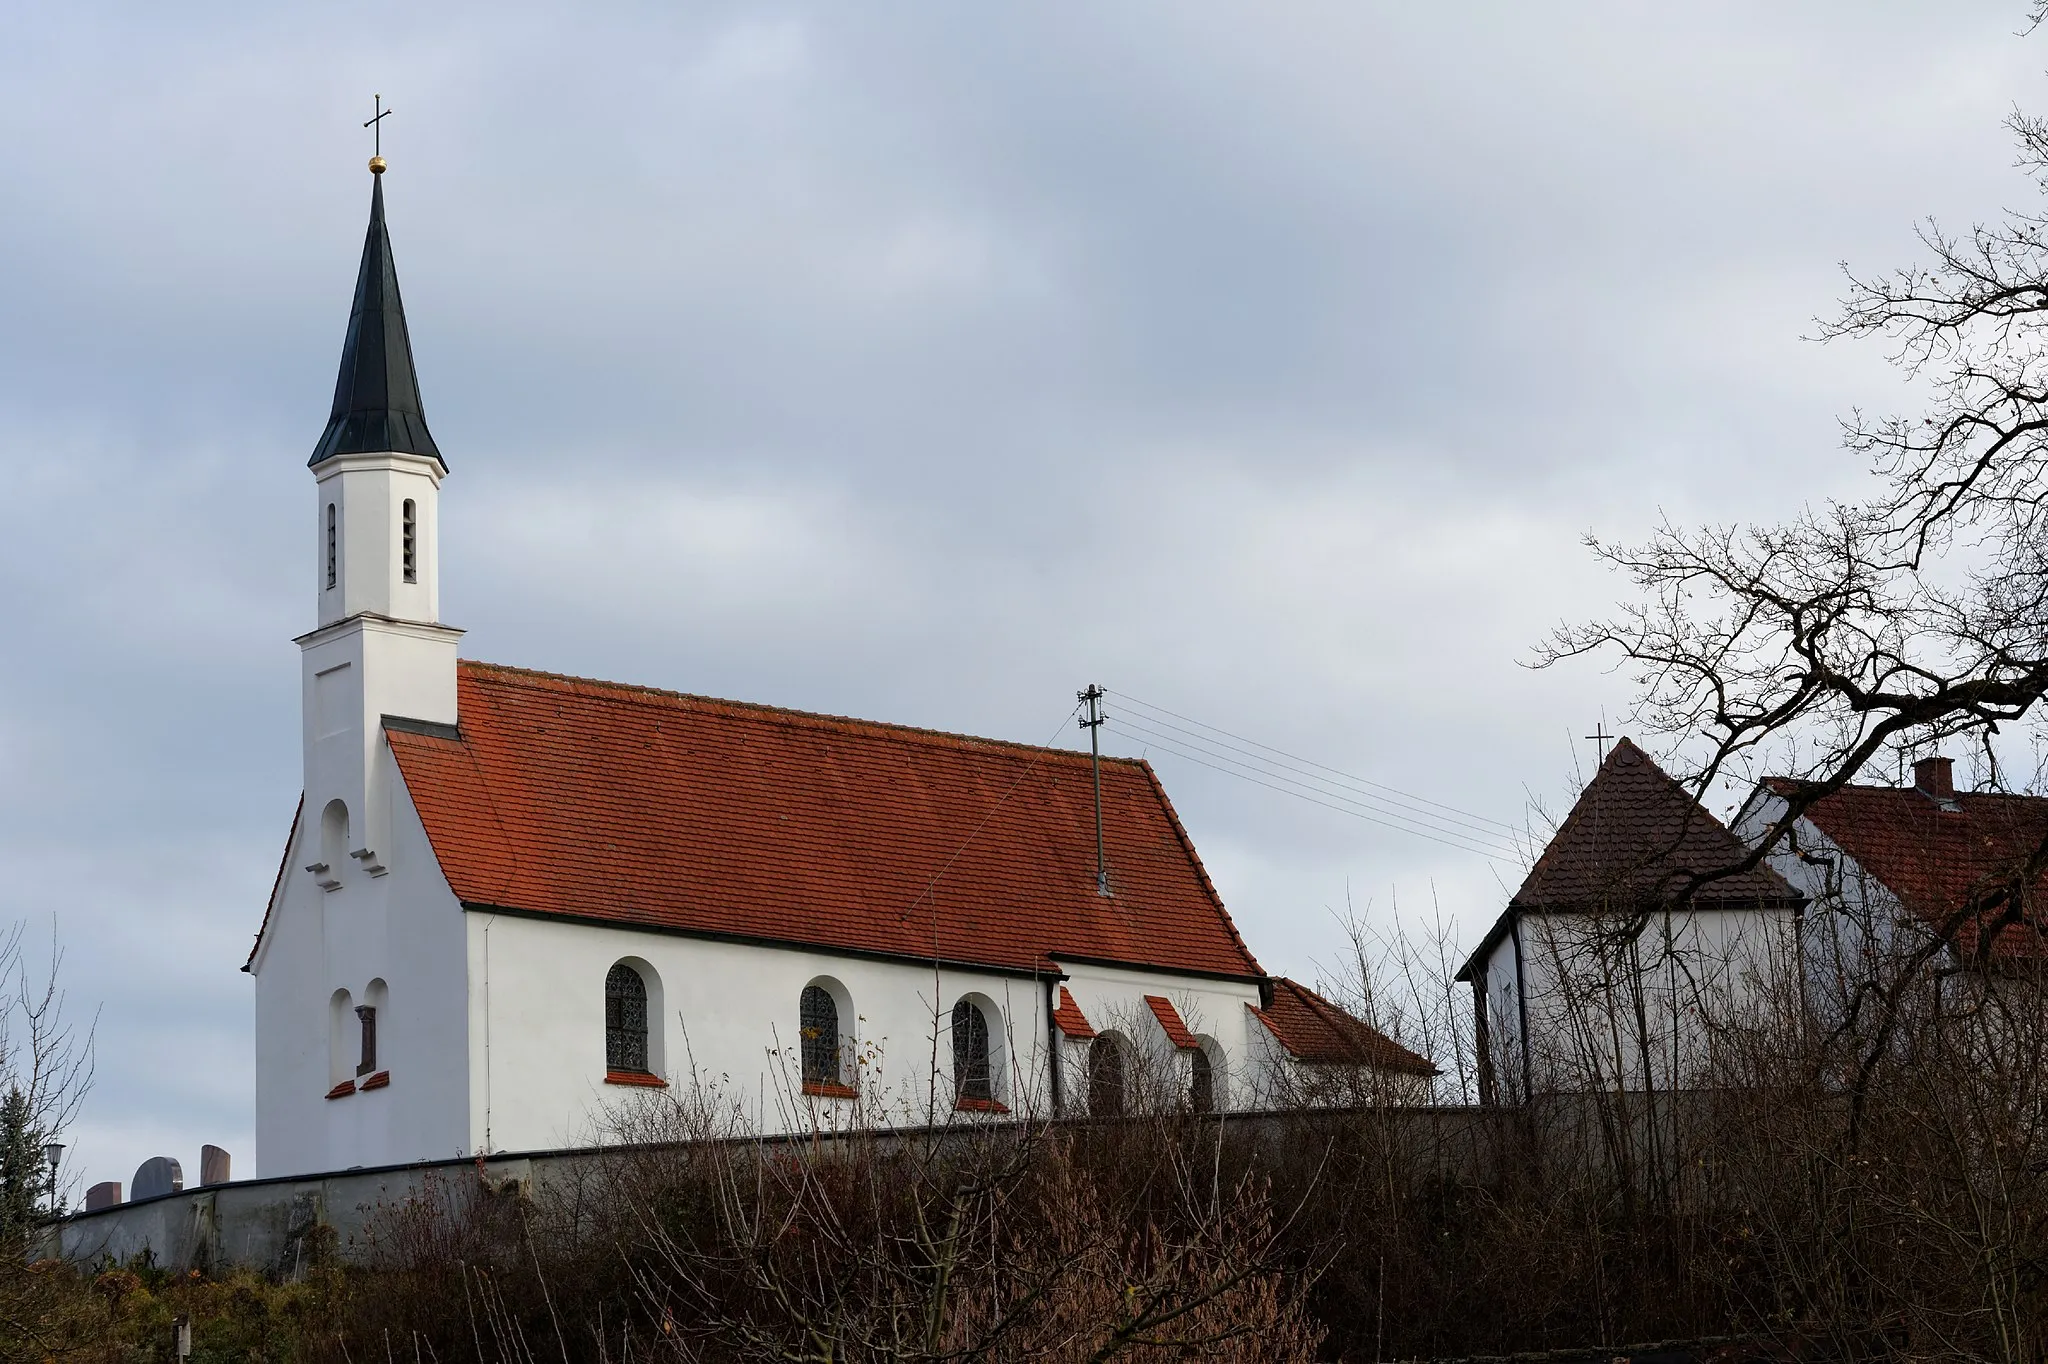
x,y
1092,722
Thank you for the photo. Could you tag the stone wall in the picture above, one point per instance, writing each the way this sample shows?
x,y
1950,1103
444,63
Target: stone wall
x,y
264,1224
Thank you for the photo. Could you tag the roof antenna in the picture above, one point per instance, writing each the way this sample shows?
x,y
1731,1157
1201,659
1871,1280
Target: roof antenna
x,y
1092,722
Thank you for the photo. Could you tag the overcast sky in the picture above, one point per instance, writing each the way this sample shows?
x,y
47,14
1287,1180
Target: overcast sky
x,y
916,362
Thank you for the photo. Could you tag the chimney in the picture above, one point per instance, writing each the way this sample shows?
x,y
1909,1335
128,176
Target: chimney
x,y
1935,778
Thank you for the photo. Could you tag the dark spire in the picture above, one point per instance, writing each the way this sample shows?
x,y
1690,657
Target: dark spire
x,y
377,396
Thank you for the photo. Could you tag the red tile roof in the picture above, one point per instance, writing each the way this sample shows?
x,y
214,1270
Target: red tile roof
x,y
1067,1014
1633,837
652,809
1169,1019
1318,1032
1933,858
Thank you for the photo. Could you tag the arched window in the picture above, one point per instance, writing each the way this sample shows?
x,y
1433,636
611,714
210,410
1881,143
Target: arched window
x,y
972,1075
818,1025
331,555
409,550
1106,1076
333,845
1202,1085
341,1061
625,1021
367,1014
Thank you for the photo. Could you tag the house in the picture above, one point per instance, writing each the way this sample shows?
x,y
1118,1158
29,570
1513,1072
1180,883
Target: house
x,y
1892,872
1310,1051
1610,968
513,902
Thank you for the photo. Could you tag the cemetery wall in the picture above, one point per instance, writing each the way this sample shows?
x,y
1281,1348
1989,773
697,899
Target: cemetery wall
x,y
265,1224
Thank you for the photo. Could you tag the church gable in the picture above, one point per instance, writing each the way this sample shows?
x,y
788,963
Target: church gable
x,y
654,810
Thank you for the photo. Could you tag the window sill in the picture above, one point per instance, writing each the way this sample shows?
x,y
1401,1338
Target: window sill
x,y
830,1089
377,1081
963,1104
634,1077
342,1090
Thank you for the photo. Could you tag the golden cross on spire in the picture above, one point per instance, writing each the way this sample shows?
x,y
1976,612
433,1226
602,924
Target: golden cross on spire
x,y
376,127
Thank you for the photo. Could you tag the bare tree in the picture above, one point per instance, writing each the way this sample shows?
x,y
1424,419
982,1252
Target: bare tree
x,y
1885,626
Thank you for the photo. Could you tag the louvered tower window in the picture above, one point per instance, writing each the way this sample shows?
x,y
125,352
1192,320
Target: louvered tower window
x,y
330,545
971,1078
818,1017
625,1021
409,551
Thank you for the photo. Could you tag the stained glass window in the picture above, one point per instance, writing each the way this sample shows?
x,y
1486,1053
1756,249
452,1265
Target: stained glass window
x,y
625,1020
971,1078
818,1019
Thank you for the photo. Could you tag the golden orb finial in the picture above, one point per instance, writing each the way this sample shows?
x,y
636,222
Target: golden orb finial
x,y
376,165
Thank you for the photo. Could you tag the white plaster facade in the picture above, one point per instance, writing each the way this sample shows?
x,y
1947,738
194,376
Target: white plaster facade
x,y
1570,1001
1854,925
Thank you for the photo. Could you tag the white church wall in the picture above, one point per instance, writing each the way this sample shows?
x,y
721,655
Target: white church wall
x,y
394,941
1112,998
362,568
730,1026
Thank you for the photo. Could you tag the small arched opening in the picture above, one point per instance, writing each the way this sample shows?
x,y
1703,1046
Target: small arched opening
x,y
1206,1077
341,1038
334,837
1108,1076
370,1019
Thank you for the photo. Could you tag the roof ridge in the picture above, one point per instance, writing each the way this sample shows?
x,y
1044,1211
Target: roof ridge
x,y
807,718
1878,788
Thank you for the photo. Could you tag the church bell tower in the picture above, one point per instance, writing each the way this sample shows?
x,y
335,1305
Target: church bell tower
x,y
380,651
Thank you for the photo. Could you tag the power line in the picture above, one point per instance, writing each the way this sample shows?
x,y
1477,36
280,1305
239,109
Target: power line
x,y
1460,827
1446,839
1044,751
1310,762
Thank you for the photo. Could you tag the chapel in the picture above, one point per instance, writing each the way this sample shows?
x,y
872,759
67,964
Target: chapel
x,y
512,903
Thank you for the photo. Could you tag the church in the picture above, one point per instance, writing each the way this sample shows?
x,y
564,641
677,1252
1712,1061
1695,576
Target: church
x,y
513,903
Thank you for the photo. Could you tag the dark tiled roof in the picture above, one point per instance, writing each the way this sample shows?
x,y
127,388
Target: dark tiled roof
x,y
1633,838
1067,1014
1169,1020
653,809
377,394
1318,1032
1934,858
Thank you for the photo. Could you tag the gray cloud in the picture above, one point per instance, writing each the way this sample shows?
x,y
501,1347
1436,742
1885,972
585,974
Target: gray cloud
x,y
907,362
